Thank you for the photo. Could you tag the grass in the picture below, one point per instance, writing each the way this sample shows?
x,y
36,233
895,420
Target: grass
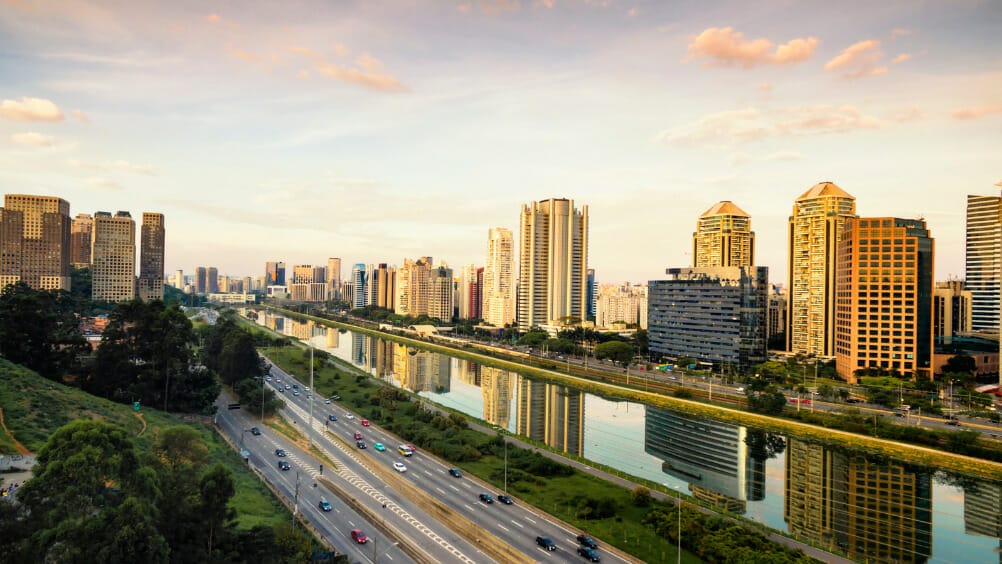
x,y
34,407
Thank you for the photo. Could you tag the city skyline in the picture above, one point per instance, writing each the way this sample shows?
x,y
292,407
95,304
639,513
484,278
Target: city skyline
x,y
304,132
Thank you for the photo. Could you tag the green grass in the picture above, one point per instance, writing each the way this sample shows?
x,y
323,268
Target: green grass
x,y
34,407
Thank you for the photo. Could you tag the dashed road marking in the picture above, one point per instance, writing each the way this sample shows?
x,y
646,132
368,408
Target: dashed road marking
x,y
503,527
517,524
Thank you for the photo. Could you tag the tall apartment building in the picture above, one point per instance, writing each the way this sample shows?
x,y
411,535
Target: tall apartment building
x,y
372,288
951,311
113,255
884,289
498,288
715,315
413,287
385,282
469,299
723,237
80,240
440,298
819,216
625,303
212,280
984,261
178,280
554,258
777,312
151,257
334,277
274,273
358,283
35,242
201,280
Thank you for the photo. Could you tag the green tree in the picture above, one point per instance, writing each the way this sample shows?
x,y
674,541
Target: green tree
x,y
39,330
618,351
960,364
770,401
216,489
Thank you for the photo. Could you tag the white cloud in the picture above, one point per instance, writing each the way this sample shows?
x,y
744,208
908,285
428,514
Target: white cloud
x,y
975,112
30,109
100,183
901,58
858,60
111,167
726,47
33,139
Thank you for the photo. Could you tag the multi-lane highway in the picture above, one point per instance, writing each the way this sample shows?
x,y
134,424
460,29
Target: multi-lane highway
x,y
517,525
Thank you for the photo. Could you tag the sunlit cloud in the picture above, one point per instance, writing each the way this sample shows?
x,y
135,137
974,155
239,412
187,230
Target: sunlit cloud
x,y
100,183
907,115
117,166
80,116
367,71
976,112
33,139
901,58
726,47
858,60
30,109
900,32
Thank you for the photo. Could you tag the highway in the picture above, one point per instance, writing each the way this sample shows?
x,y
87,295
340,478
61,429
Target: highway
x,y
518,524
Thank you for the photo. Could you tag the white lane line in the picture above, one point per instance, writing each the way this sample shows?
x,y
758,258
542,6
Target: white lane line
x,y
388,557
503,527
467,486
440,490
469,507
529,520
454,487
517,524
427,472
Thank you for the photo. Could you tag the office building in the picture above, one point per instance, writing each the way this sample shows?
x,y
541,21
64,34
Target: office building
x,y
984,261
591,299
35,242
952,308
715,315
815,227
81,233
723,237
274,273
776,326
498,288
201,280
883,308
554,259
469,295
113,255
624,304
151,257
358,283
212,280
384,282
334,277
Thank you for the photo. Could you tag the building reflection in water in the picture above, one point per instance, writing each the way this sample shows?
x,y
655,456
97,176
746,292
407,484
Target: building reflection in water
x,y
421,371
550,413
983,510
495,387
873,510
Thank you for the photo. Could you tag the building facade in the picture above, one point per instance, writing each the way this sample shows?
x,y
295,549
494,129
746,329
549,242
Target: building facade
x,y
815,226
35,242
334,277
498,288
883,306
777,313
552,286
440,294
152,238
625,303
81,233
715,315
358,283
723,237
274,273
951,311
984,261
591,297
114,257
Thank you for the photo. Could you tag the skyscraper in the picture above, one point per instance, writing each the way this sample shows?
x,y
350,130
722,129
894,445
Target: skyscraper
x,y
35,242
201,280
469,293
440,298
212,281
113,256
984,261
274,273
723,237
413,287
80,240
385,282
591,297
334,277
552,281
884,289
151,257
819,216
498,291
951,311
358,283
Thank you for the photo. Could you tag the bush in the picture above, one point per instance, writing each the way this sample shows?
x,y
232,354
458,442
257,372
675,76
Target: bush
x,y
641,496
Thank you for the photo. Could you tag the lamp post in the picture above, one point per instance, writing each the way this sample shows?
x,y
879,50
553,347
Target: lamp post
x,y
678,507
312,391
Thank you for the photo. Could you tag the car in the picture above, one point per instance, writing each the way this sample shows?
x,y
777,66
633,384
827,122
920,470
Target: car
x,y
358,536
585,540
307,388
295,392
412,447
358,436
288,387
399,467
327,402
379,447
280,453
455,473
332,417
546,542
281,390
325,505
365,422
589,553
295,386
360,444
278,380
739,390
283,465
349,416
486,498
505,499
853,400
268,378
255,431
953,422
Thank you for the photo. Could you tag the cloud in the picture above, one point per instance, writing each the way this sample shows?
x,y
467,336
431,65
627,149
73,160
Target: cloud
x,y
858,60
243,55
100,183
368,70
900,32
118,166
752,124
213,18
901,58
976,112
32,139
726,47
82,117
30,109
913,113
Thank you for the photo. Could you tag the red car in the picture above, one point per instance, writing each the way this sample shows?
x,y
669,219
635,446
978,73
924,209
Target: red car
x,y
412,447
358,536
358,436
365,422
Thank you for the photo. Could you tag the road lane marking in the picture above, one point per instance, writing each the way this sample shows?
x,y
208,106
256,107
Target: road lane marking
x,y
529,520
440,490
517,524
503,527
454,487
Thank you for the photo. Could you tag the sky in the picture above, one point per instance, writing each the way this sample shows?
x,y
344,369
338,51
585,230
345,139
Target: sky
x,y
376,131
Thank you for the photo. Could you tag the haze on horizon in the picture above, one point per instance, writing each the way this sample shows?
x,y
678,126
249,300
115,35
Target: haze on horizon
x,y
378,131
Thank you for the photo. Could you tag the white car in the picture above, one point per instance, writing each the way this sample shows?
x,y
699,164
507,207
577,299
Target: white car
x,y
348,416
327,402
399,467
307,388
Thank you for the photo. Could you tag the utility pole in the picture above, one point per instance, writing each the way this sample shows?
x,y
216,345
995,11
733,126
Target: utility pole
x,y
312,392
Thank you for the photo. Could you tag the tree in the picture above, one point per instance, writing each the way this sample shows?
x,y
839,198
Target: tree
x,y
770,401
618,351
960,364
216,488
39,330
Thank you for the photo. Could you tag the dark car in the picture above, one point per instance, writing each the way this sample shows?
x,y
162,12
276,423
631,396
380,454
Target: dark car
x,y
486,498
279,452
589,553
325,505
585,540
283,465
332,417
546,542
455,473
504,499
360,444
255,431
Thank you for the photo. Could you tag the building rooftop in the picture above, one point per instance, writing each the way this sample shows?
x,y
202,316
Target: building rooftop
x,y
824,189
725,207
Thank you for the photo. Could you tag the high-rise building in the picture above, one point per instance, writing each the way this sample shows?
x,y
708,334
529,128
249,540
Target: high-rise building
x,y
440,298
334,277
113,255
385,282
151,257
358,283
715,315
413,287
951,311
372,288
80,240
625,303
723,237
498,288
35,242
274,273
554,257
302,274
777,313
178,281
201,280
591,297
883,308
984,261
469,293
212,280
815,227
